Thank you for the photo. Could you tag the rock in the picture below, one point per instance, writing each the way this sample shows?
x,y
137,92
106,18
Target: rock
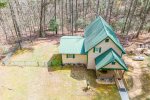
x,y
139,50
138,58
147,52
130,51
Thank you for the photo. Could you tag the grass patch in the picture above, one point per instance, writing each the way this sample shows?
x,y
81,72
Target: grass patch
x,y
56,60
23,50
145,87
146,82
38,83
39,53
128,78
128,81
145,79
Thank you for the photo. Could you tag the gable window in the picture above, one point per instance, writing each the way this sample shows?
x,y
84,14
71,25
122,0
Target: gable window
x,y
113,63
107,40
70,56
97,50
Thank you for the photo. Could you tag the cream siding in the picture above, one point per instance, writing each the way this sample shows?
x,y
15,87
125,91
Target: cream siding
x,y
78,59
104,47
113,66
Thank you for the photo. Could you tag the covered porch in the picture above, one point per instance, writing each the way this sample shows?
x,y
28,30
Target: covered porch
x,y
109,76
109,67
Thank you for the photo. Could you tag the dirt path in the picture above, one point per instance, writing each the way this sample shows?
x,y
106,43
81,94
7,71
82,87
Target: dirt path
x,y
136,74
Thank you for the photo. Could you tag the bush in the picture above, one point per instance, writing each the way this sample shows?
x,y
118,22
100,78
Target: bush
x,y
3,4
56,60
53,25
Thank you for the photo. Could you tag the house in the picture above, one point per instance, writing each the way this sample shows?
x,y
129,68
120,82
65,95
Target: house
x,y
99,49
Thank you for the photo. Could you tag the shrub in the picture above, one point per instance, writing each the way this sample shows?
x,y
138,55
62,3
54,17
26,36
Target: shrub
x,y
53,25
3,4
56,60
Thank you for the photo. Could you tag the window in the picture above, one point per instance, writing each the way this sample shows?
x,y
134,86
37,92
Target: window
x,y
97,50
107,40
113,63
70,56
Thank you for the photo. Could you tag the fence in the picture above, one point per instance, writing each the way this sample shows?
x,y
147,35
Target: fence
x,y
7,58
27,63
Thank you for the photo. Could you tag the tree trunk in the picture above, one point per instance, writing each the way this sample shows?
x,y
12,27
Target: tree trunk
x,y
110,10
145,13
83,9
123,29
131,16
97,7
41,20
107,9
76,18
72,17
44,18
3,26
16,27
55,16
62,15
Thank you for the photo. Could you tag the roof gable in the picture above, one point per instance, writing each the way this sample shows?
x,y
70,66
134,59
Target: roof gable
x,y
97,31
108,57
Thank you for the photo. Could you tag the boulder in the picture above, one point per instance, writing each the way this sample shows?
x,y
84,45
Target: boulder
x,y
138,58
140,50
147,52
130,51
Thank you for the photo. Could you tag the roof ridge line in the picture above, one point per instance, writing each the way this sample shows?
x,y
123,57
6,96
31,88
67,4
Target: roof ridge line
x,y
114,53
104,26
107,32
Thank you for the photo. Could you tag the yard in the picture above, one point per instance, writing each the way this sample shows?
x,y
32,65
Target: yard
x,y
54,83
40,50
31,83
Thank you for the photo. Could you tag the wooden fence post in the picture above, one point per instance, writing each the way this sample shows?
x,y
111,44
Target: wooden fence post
x,y
24,63
38,64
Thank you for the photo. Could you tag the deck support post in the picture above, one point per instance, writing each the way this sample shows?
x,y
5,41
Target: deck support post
x,y
123,74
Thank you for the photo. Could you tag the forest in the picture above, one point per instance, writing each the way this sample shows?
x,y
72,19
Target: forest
x,y
25,19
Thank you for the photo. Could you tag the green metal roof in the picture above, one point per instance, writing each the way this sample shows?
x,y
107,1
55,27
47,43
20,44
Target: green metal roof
x,y
97,31
71,45
108,57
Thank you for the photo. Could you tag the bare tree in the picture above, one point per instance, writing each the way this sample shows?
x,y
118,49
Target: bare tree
x,y
62,16
41,19
16,27
97,8
76,17
123,29
144,13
